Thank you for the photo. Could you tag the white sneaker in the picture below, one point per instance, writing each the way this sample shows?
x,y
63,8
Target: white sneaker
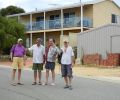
x,y
45,83
13,84
52,84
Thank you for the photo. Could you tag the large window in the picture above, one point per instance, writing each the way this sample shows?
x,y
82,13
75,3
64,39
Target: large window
x,y
69,18
54,17
69,14
54,21
40,18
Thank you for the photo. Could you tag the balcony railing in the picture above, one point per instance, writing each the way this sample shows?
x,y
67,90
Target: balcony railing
x,y
76,22
56,24
38,25
53,24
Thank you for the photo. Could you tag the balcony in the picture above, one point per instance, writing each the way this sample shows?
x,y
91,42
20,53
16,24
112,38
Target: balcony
x,y
53,24
38,25
56,24
76,22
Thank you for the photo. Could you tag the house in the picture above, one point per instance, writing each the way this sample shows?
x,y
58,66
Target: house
x,y
59,21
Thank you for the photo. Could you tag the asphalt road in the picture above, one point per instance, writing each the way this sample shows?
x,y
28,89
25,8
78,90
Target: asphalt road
x,y
83,89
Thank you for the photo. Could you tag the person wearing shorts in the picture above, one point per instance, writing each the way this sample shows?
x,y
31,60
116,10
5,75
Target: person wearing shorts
x,y
17,54
51,53
67,61
38,60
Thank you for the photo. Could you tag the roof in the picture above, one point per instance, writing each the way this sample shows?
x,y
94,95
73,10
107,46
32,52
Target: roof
x,y
64,7
94,29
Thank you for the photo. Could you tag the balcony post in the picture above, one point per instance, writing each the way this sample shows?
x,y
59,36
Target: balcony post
x,y
31,39
44,31
81,6
78,60
61,21
31,22
31,30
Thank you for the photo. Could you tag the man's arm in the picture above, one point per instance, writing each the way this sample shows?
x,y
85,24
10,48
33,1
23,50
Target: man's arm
x,y
25,57
72,58
11,56
44,57
12,52
29,49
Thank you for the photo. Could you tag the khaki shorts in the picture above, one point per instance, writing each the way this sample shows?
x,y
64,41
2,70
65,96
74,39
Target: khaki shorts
x,y
17,63
37,66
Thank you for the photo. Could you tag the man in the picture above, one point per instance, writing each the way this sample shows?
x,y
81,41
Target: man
x,y
51,53
17,54
38,60
67,61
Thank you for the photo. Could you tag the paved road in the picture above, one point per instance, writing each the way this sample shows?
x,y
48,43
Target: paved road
x,y
84,89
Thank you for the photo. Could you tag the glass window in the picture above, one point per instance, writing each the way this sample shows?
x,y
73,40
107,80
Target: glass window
x,y
66,15
40,18
57,16
114,18
69,14
72,14
53,17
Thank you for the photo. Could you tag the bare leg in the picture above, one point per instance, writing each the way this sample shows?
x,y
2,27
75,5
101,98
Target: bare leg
x,y
53,76
66,80
19,75
39,76
70,81
13,74
47,75
35,76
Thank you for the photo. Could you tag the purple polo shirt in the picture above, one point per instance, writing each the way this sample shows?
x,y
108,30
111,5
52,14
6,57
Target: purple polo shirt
x,y
18,50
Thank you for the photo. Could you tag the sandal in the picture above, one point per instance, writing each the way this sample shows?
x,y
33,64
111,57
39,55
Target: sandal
x,y
20,84
34,83
45,83
13,84
66,86
40,83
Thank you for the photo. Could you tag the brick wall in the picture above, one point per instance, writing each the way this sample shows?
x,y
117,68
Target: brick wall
x,y
111,60
91,59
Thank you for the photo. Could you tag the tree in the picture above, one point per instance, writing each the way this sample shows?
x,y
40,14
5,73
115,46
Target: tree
x,y
10,31
11,10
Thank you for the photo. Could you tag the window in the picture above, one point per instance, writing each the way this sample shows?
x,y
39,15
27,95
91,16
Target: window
x,y
72,14
69,14
54,17
66,15
114,18
40,18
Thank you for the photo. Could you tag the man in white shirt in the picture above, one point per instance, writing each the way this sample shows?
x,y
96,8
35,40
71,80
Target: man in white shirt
x,y
38,60
67,61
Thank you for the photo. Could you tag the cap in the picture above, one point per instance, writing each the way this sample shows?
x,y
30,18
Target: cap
x,y
66,40
20,39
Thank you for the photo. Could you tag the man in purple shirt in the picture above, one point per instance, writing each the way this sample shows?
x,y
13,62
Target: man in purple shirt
x,y
17,55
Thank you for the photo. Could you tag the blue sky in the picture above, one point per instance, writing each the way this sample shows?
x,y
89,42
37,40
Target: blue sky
x,y
31,5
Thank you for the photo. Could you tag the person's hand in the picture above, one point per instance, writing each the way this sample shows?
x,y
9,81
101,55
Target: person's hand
x,y
24,63
11,59
72,64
